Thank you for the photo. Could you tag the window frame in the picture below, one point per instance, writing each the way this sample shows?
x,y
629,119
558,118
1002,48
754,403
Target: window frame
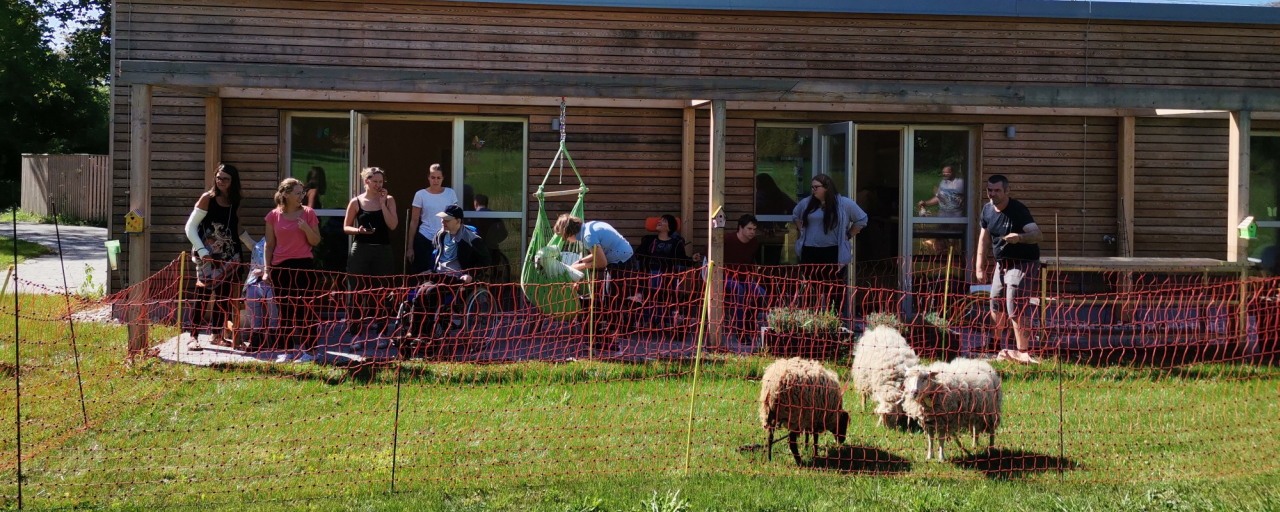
x,y
1266,133
286,156
816,151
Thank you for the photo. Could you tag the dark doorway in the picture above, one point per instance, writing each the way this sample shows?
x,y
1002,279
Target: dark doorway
x,y
406,150
879,163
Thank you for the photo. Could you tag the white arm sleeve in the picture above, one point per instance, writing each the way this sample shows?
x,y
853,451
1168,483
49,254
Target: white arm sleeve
x,y
193,232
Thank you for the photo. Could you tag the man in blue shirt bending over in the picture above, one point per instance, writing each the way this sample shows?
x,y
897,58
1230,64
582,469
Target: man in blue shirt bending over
x,y
605,246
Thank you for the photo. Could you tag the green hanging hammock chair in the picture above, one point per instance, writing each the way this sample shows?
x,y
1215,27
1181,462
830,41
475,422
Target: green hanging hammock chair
x,y
545,280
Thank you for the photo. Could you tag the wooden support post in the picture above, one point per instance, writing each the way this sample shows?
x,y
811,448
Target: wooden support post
x,y
1237,184
139,199
687,154
1124,208
715,236
1124,180
212,139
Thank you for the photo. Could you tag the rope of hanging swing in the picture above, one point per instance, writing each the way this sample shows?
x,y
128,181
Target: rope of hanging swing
x,y
562,155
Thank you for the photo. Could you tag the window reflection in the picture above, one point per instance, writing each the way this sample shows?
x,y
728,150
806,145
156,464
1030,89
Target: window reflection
x,y
783,168
939,170
319,156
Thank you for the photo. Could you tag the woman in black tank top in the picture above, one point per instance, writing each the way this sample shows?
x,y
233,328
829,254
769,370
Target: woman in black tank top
x,y
215,253
371,217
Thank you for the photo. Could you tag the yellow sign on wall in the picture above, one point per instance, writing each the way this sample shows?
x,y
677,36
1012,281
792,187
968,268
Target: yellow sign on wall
x,y
134,222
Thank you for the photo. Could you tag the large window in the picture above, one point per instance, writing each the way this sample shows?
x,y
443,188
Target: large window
x,y
320,157
493,178
1264,197
484,161
785,157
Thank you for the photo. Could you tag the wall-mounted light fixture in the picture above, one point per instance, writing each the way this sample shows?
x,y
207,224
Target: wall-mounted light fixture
x,y
1010,131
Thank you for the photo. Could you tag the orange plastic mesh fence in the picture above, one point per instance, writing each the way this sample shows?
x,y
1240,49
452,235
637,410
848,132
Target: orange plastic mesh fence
x,y
327,384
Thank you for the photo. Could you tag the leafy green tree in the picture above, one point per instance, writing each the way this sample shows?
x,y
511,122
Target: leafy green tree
x,y
51,101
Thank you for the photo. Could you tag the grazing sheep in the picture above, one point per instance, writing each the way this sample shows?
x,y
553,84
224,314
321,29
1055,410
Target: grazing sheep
x,y
947,398
802,396
879,364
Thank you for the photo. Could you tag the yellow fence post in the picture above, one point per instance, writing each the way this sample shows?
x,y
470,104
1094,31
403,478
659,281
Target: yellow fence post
x,y
7,275
697,363
182,275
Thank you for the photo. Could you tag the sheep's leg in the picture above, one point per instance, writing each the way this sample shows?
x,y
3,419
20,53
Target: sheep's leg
x,y
792,436
769,444
993,439
960,443
942,443
816,435
880,420
974,430
864,402
928,443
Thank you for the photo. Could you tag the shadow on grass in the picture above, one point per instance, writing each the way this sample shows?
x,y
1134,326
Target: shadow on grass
x,y
861,459
1003,463
846,459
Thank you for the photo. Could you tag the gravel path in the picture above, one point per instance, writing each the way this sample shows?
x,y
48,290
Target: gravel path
x,y
81,245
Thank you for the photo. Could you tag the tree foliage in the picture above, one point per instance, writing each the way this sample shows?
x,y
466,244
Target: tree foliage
x,y
52,101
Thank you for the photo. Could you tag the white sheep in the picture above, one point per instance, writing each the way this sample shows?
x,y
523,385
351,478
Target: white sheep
x,y
947,398
880,362
802,396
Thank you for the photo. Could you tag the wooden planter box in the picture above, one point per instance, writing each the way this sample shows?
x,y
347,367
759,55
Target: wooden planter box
x,y
824,345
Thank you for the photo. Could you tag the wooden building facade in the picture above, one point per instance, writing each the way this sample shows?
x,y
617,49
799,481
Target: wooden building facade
x,y
1134,132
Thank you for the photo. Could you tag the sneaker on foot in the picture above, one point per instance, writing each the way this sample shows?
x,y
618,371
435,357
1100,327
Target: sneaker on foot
x,y
282,358
305,357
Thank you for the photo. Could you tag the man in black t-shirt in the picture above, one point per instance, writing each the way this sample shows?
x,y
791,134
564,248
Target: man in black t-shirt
x,y
1014,237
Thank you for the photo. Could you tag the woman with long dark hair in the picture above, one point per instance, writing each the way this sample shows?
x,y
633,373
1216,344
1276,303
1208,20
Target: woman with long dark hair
x,y
827,222
212,229
292,230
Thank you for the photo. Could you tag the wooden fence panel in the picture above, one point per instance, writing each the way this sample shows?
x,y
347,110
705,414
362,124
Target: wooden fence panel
x,y
80,185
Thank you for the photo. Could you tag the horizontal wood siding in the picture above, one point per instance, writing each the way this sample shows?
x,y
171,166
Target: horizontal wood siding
x,y
629,159
177,170
1180,188
1060,166
569,40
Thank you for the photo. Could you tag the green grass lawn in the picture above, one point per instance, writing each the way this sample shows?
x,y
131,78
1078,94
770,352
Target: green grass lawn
x,y
66,220
598,436
26,250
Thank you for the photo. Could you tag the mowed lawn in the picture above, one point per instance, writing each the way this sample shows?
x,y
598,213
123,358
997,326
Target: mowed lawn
x,y
598,436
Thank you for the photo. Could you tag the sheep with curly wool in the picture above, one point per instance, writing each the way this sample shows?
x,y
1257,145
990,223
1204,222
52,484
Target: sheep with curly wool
x,y
947,398
802,396
880,362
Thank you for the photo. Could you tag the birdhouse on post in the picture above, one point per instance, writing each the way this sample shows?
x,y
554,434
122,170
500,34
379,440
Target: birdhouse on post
x,y
134,222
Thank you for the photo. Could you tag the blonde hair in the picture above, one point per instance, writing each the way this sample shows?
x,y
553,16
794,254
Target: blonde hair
x,y
567,225
368,172
283,190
